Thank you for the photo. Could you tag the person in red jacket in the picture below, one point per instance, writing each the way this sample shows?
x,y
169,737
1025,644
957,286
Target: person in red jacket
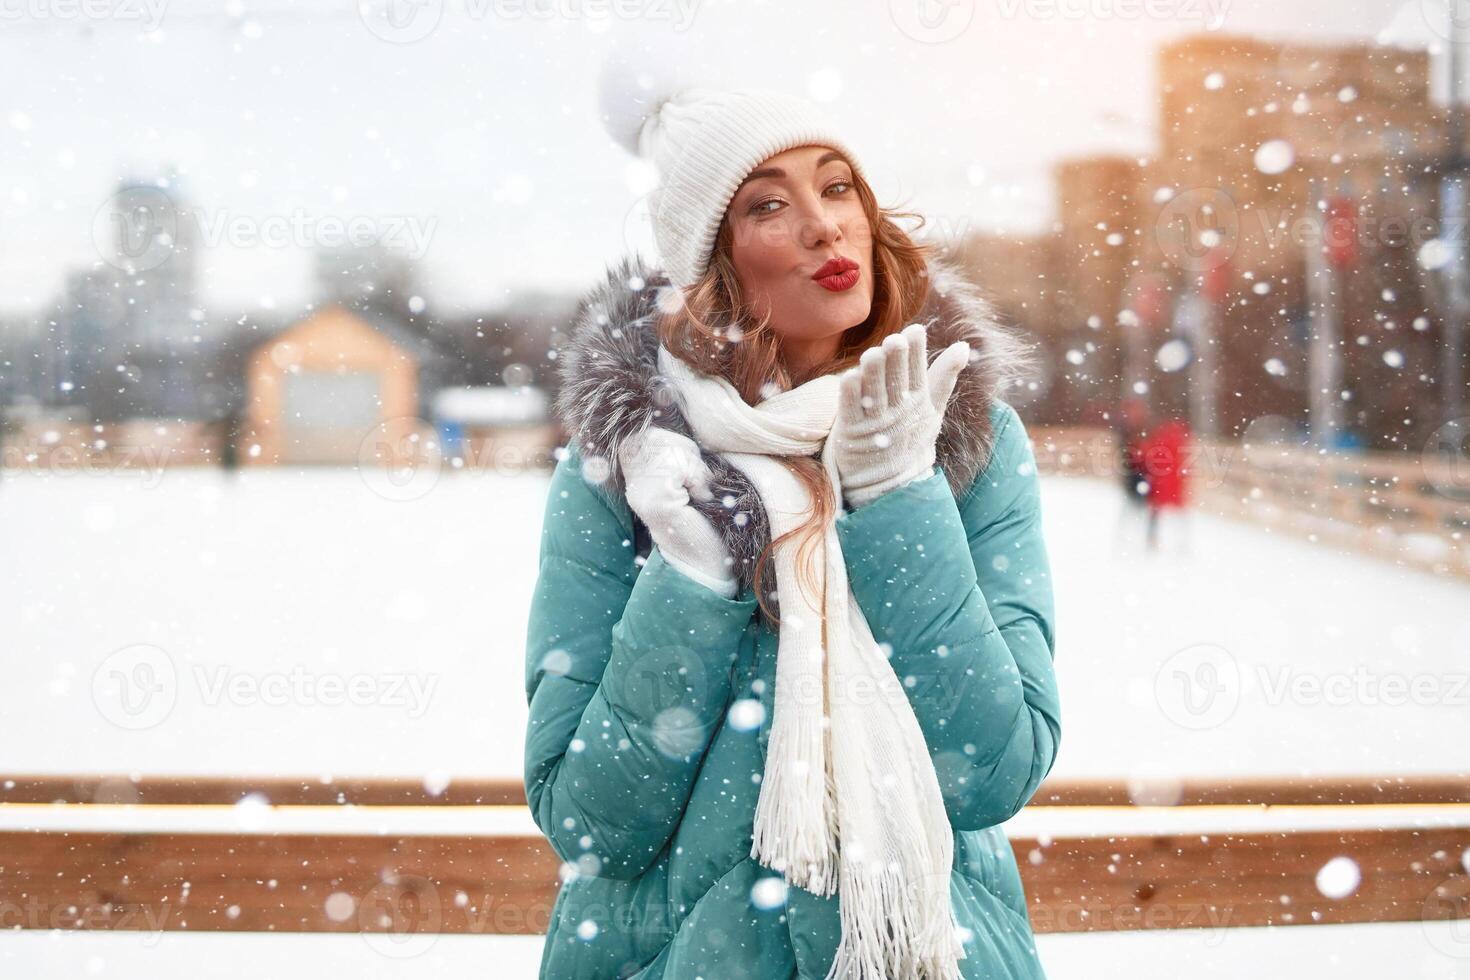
x,y
1164,454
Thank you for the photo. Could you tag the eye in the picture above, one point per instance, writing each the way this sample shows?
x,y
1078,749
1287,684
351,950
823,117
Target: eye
x,y
755,208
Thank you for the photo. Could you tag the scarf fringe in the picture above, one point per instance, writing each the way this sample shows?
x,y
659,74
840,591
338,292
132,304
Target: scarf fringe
x,y
892,931
807,853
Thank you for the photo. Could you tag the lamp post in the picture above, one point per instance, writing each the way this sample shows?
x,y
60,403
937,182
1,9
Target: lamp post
x,y
1204,379
1330,252
1452,200
1145,302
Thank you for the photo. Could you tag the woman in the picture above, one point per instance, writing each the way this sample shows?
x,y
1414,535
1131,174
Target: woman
x,y
789,659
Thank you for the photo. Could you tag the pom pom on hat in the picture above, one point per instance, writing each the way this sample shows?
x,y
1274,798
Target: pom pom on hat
x,y
630,97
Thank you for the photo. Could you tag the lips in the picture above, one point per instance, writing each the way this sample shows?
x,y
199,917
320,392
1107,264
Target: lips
x,y
837,274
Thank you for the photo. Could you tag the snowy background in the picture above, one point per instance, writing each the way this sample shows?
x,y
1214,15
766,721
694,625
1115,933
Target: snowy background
x,y
230,629
1400,951
291,115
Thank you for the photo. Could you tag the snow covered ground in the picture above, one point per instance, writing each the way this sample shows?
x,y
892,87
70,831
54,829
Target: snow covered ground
x,y
317,622
1402,951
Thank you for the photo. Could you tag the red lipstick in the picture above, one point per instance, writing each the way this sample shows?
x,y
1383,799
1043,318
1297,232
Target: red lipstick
x,y
837,274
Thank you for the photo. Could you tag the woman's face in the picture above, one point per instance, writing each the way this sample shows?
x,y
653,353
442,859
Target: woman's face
x,y
795,212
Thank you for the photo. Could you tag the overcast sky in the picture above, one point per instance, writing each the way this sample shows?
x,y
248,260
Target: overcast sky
x,y
467,131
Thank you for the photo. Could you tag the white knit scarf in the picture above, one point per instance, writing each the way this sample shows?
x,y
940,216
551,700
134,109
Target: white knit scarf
x,y
849,798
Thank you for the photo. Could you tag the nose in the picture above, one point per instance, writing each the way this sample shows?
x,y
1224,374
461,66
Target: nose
x,y
818,224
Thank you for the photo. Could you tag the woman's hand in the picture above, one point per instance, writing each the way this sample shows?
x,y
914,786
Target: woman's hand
x,y
662,471
891,408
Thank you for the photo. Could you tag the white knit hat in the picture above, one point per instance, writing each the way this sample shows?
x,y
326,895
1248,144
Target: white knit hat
x,y
703,141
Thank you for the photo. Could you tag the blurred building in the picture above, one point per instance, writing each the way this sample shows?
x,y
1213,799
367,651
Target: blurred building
x,y
341,386
70,340
151,236
1255,135
502,427
1020,275
1191,270
365,275
150,240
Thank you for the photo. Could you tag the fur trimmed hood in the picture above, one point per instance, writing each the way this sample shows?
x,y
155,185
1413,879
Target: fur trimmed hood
x,y
611,389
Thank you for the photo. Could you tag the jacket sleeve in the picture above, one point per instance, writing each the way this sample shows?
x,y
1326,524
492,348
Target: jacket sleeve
x,y
961,592
628,673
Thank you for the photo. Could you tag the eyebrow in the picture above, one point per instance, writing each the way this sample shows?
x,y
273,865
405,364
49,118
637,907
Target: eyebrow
x,y
823,160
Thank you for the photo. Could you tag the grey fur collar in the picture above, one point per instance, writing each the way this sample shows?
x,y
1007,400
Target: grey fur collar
x,y
611,389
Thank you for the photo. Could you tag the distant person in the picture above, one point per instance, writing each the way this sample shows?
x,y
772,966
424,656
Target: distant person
x,y
229,459
1165,457
1130,422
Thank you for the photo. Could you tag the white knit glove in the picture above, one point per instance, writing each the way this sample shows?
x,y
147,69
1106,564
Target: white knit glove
x,y
891,407
662,470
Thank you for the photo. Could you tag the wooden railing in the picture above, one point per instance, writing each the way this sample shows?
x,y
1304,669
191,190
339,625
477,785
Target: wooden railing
x,y
1409,507
501,877
378,791
507,884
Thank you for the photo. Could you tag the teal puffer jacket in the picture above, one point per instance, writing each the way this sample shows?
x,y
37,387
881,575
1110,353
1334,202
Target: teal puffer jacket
x,y
651,700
